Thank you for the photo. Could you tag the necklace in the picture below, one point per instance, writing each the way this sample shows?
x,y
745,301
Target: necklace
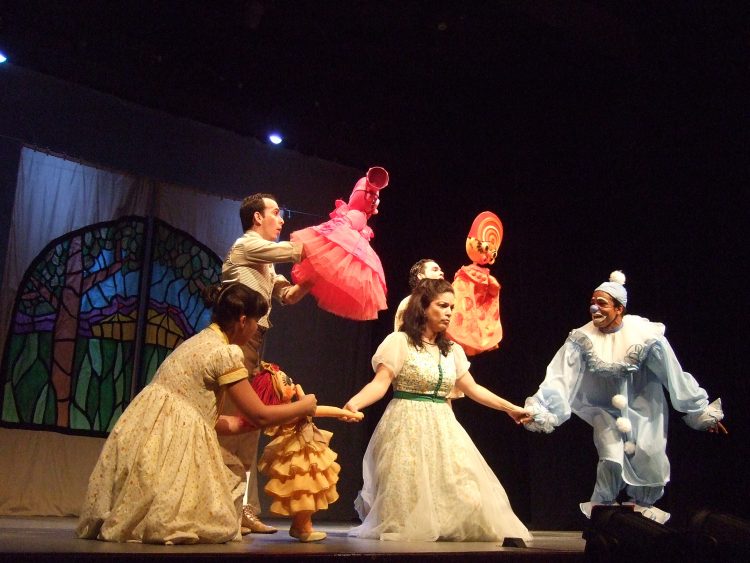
x,y
439,366
440,377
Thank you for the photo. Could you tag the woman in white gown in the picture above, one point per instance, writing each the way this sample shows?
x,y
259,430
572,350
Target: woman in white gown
x,y
161,477
424,479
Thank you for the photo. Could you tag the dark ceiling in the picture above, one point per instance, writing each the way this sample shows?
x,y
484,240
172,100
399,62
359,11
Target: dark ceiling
x,y
362,82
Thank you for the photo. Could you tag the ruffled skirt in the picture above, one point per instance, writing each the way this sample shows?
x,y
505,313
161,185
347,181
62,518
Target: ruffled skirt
x,y
348,279
301,469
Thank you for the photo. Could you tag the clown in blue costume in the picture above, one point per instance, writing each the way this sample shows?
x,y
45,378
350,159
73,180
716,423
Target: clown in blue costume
x,y
611,372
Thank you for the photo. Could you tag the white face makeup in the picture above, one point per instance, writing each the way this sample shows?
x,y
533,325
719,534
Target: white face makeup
x,y
605,315
431,270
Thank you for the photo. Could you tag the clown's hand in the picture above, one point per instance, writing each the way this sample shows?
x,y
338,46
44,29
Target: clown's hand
x,y
541,419
707,420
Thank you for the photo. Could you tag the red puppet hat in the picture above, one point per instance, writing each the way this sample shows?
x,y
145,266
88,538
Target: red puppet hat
x,y
364,196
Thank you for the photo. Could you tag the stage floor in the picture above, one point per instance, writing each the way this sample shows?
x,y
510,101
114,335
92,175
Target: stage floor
x,y
52,538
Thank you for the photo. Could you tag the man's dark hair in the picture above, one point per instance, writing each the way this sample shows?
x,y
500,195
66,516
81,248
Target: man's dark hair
x,y
250,205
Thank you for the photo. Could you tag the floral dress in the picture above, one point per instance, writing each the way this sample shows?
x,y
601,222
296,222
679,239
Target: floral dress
x,y
160,477
424,478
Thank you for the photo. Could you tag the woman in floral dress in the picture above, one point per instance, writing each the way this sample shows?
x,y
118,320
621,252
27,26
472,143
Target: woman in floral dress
x,y
424,479
161,476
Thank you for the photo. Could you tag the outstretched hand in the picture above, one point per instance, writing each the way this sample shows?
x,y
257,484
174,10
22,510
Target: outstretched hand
x,y
351,416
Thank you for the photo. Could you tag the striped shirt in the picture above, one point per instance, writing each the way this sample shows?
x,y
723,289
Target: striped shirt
x,y
250,261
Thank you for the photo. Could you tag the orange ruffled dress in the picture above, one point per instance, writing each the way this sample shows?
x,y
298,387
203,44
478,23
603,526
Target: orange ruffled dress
x,y
475,323
301,468
346,273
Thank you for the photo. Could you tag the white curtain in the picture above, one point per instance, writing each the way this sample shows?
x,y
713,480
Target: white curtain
x,y
46,473
213,220
55,196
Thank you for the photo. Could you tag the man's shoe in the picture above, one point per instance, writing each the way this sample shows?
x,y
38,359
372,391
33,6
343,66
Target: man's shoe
x,y
307,536
653,513
251,524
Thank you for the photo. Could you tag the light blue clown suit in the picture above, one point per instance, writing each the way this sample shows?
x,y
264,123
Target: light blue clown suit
x,y
631,365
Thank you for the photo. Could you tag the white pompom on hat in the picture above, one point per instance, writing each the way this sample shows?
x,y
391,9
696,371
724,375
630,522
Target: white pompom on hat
x,y
615,287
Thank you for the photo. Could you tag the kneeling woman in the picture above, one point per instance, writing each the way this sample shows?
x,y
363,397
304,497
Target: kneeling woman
x,y
424,478
160,477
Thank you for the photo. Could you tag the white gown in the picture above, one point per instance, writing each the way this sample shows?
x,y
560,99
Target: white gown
x,y
424,479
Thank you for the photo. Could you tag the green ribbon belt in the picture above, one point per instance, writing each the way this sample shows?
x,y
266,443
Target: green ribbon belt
x,y
418,397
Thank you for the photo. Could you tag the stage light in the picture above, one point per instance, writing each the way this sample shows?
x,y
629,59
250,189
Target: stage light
x,y
3,58
618,534
275,138
718,536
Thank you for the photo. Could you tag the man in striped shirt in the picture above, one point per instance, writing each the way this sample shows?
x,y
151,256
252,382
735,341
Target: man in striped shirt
x,y
251,261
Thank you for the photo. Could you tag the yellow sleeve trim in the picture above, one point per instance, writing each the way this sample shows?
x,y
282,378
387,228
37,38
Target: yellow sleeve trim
x,y
232,376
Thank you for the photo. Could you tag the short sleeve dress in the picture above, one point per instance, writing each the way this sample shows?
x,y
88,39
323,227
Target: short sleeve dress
x,y
424,479
160,477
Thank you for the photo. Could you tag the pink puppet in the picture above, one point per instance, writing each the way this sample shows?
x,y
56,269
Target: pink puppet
x,y
346,274
475,323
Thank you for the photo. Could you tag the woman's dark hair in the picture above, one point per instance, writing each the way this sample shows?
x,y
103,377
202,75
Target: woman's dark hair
x,y
415,318
230,301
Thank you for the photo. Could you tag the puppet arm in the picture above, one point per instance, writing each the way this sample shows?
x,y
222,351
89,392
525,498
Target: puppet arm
x,y
332,412
336,412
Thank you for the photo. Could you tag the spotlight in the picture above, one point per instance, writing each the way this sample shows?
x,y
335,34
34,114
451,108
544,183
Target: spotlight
x,y
275,138
3,58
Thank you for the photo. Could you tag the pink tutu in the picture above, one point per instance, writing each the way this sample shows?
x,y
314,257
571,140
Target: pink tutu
x,y
345,271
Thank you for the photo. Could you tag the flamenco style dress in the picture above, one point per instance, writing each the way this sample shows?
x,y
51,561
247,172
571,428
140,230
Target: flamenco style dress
x,y
301,469
160,477
424,479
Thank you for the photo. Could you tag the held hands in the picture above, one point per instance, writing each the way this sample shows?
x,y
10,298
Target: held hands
x,y
356,415
520,415
340,414
333,412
